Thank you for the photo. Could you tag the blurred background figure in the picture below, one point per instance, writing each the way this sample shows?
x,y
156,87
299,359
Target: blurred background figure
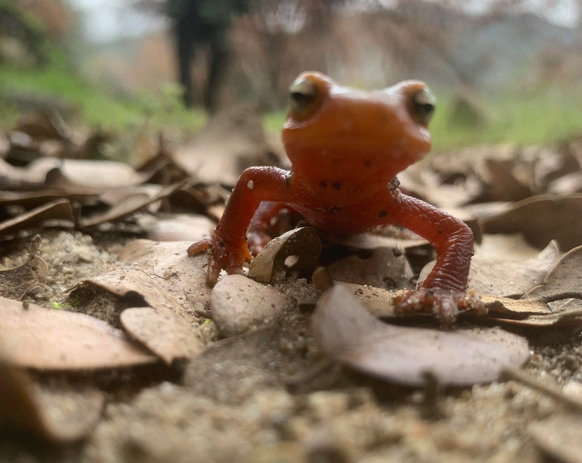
x,y
197,23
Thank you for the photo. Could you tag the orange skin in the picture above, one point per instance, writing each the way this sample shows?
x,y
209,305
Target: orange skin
x,y
346,149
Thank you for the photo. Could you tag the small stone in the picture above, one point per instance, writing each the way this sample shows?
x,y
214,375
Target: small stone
x,y
238,304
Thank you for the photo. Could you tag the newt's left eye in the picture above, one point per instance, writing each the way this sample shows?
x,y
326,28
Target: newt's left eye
x,y
302,95
423,105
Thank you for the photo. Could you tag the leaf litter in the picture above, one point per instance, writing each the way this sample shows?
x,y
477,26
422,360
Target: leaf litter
x,y
174,303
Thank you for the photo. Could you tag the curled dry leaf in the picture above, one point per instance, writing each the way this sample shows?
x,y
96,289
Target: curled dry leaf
x,y
406,355
238,304
60,340
176,338
504,274
384,268
16,282
564,279
179,276
294,251
559,437
59,210
541,219
58,415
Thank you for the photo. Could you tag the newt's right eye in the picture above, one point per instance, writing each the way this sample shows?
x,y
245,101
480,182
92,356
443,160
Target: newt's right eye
x,y
302,95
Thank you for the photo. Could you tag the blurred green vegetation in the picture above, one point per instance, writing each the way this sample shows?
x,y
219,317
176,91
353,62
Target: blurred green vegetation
x,y
94,105
525,117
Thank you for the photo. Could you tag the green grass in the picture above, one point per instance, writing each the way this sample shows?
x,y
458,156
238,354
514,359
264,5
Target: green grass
x,y
522,118
95,105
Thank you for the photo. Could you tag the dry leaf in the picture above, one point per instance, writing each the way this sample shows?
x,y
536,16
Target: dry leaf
x,y
238,304
58,415
179,276
60,340
16,282
541,219
503,274
43,125
161,333
169,313
294,251
59,210
504,186
406,355
384,268
129,205
564,278
503,307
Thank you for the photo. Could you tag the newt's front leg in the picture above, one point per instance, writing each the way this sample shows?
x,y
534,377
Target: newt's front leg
x,y
228,241
444,290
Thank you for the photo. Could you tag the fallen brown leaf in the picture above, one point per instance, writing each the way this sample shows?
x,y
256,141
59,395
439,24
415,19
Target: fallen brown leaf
x,y
58,415
59,210
541,219
384,268
127,206
60,340
161,333
563,281
406,355
294,251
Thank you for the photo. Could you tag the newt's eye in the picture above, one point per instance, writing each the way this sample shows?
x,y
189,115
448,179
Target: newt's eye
x,y
302,94
423,105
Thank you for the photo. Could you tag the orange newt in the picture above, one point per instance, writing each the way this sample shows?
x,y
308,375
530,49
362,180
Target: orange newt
x,y
346,147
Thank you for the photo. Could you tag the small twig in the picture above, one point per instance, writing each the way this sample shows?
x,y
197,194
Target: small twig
x,y
549,389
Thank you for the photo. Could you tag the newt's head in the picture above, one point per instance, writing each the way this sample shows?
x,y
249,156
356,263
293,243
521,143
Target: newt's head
x,y
370,133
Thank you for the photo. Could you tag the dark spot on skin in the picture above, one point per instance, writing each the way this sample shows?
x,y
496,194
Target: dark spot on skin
x,y
221,244
337,186
440,231
323,184
367,164
336,209
382,214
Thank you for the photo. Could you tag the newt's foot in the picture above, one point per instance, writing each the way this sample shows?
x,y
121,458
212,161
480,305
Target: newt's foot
x,y
443,303
224,256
